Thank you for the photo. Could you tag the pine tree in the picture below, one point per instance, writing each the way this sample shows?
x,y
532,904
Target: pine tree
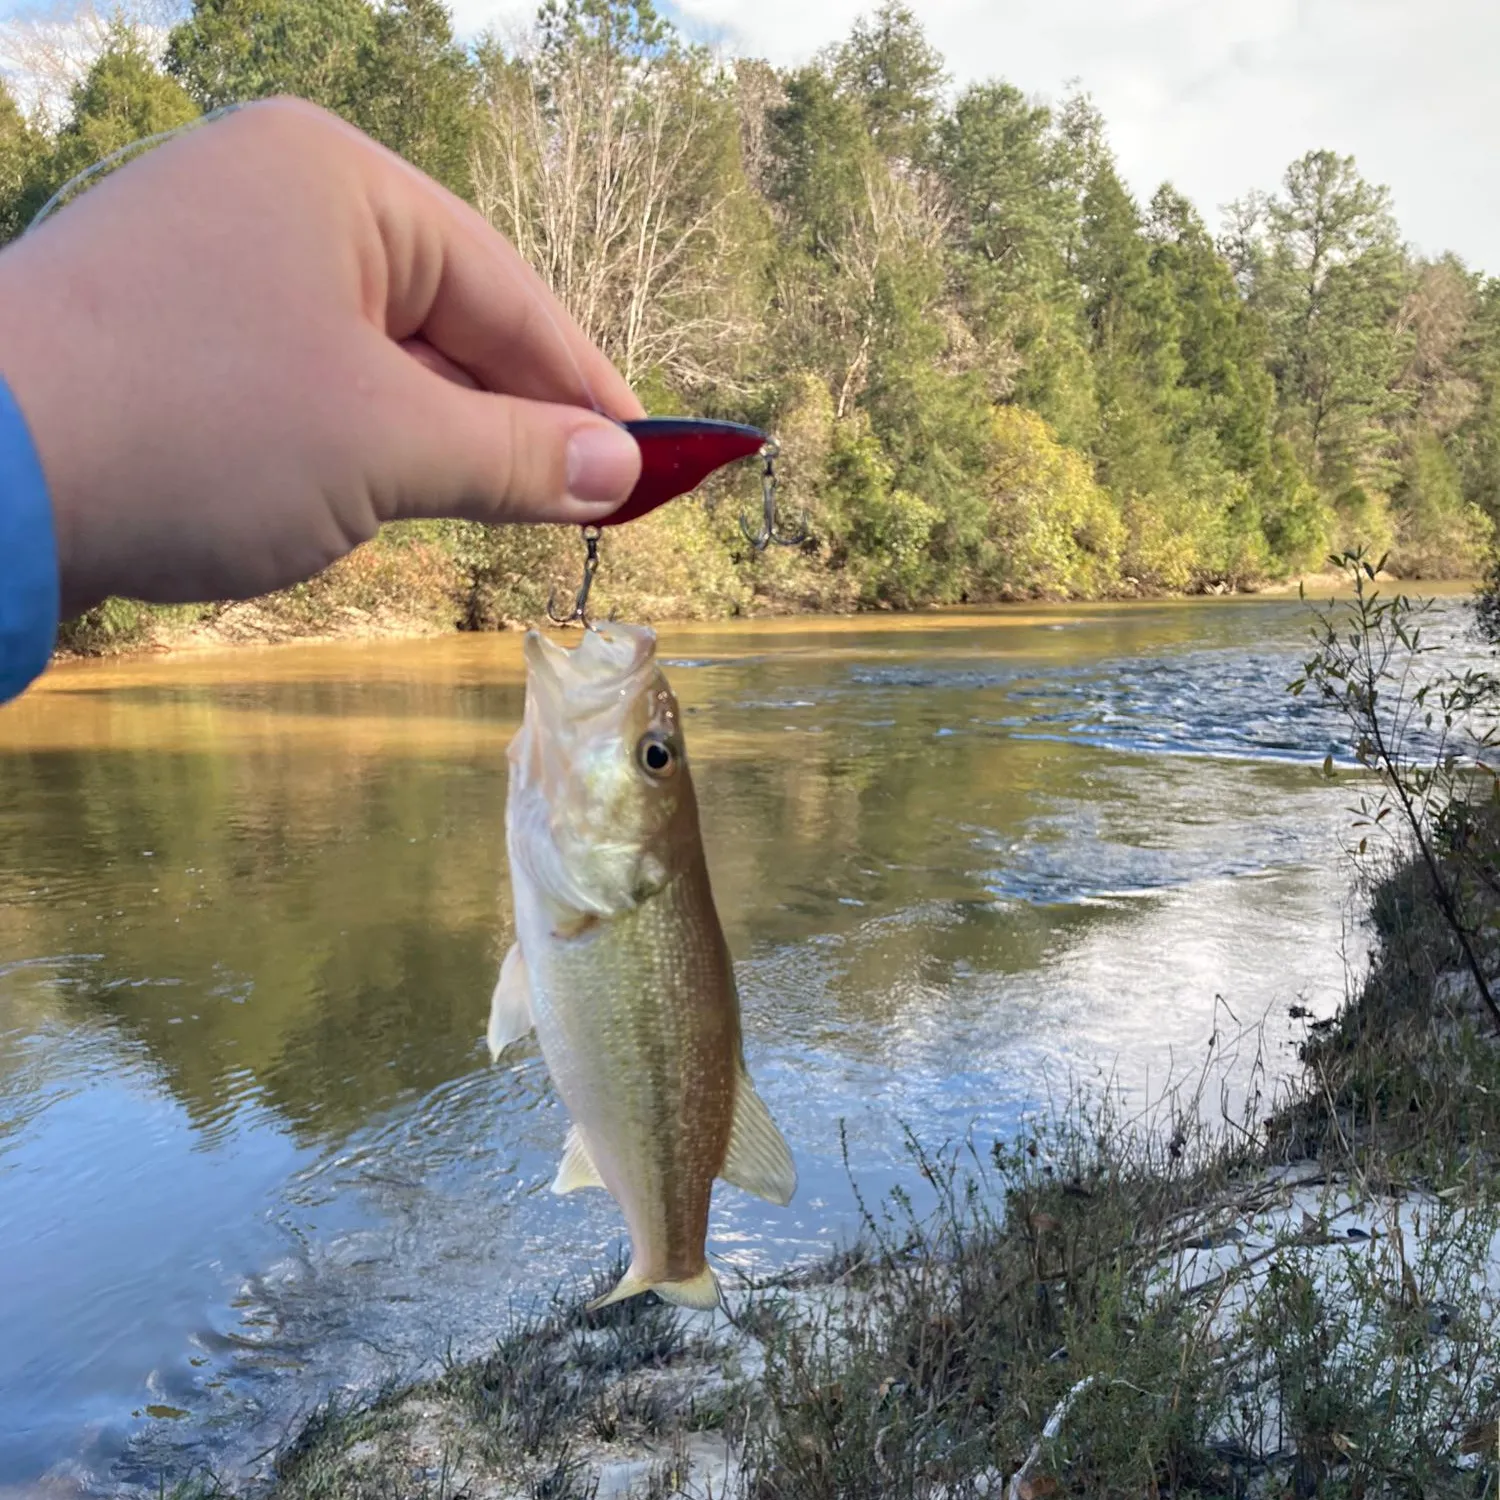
x,y
897,76
1476,442
1331,289
228,51
124,98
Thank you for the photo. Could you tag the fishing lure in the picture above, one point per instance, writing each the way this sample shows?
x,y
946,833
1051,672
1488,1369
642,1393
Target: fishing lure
x,y
677,455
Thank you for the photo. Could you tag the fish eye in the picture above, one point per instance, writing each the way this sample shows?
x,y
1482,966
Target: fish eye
x,y
657,756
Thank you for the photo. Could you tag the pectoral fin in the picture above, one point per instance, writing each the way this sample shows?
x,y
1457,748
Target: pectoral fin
x,y
510,1005
757,1159
577,1169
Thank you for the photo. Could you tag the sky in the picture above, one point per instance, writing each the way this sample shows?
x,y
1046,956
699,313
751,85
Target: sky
x,y
1216,96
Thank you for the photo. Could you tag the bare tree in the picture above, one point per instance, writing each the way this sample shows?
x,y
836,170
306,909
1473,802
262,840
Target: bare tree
x,y
1436,315
618,178
759,92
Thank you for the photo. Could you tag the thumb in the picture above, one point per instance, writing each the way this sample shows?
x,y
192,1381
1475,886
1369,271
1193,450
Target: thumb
x,y
472,454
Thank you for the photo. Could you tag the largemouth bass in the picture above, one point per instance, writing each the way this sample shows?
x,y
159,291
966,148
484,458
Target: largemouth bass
x,y
620,963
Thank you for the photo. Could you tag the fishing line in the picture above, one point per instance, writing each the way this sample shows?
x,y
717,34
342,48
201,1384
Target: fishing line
x,y
79,178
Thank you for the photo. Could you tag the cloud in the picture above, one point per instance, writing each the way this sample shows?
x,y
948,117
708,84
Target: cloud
x,y
1215,96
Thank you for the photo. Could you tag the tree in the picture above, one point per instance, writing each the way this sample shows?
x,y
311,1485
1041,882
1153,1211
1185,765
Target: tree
x,y
895,74
862,291
21,151
49,48
1053,530
759,91
124,98
1476,443
1436,317
1439,532
1131,326
821,157
1331,286
1242,243
233,50
415,91
1224,390
1008,176
609,153
1222,380
1007,180
842,218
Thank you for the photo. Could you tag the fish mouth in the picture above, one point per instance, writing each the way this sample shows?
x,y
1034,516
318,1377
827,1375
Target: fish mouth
x,y
604,667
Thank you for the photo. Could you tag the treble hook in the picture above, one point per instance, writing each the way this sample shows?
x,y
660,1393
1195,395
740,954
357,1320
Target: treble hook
x,y
591,535
770,524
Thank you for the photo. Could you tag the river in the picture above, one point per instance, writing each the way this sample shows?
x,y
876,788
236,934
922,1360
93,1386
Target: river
x,y
252,1149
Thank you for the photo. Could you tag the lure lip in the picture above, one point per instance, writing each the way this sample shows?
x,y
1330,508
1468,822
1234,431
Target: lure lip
x,y
678,454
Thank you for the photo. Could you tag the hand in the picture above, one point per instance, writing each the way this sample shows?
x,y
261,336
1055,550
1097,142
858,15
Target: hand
x,y
242,352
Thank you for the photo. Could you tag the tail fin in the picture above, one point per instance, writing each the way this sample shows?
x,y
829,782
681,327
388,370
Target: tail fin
x,y
700,1291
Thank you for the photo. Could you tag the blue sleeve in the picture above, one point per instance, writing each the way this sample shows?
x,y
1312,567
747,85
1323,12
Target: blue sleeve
x,y
29,595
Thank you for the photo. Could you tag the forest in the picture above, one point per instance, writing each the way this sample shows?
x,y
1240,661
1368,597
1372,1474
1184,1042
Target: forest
x,y
994,373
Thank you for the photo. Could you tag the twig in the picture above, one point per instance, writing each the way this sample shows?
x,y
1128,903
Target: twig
x,y
1050,1431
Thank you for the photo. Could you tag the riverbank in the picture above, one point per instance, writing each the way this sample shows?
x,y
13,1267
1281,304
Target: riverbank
x,y
432,578
1298,1300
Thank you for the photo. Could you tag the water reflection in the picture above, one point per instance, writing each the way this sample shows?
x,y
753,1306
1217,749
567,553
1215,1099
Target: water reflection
x,y
249,1144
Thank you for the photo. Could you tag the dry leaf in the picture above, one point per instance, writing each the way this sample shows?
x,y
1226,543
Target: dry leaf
x,y
1411,1292
1039,1487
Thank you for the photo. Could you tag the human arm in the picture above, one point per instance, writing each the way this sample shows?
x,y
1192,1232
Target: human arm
x,y
28,556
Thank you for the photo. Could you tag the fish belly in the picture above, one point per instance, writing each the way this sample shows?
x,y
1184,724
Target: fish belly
x,y
639,1024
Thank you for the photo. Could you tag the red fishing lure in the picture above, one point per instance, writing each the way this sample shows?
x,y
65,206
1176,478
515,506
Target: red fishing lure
x,y
677,455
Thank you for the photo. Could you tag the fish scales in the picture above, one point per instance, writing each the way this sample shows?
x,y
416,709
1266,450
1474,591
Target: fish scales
x,y
646,1069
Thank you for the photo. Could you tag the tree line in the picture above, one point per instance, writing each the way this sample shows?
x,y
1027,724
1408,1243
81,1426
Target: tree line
x,y
994,372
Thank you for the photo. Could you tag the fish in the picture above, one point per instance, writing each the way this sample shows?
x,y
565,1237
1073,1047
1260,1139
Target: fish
x,y
620,965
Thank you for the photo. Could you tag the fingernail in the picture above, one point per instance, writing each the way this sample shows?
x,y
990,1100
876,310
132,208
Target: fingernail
x,y
602,465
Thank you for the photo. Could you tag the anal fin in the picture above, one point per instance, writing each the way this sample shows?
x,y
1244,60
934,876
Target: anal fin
x,y
510,1005
758,1159
577,1169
